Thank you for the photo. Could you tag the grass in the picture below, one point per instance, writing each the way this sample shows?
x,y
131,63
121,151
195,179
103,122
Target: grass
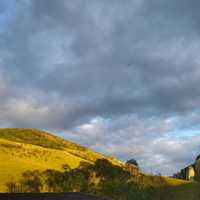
x,y
30,149
174,182
20,157
37,137
189,191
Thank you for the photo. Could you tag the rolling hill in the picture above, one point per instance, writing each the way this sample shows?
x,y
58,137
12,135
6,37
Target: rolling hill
x,y
30,149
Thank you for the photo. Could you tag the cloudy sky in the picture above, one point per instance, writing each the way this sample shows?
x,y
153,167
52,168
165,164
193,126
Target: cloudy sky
x,y
121,77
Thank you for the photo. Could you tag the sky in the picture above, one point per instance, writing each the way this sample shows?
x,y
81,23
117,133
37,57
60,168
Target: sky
x,y
120,77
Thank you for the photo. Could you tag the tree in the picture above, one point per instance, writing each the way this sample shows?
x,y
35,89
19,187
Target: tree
x,y
198,157
106,170
79,180
103,168
30,181
11,187
132,162
56,181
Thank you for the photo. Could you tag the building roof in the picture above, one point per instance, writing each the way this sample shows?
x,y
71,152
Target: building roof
x,y
189,166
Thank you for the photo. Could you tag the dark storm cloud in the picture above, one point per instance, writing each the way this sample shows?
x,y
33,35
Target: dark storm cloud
x,y
115,55
66,63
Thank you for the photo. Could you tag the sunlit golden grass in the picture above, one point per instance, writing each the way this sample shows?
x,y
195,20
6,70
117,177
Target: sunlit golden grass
x,y
175,182
20,157
29,149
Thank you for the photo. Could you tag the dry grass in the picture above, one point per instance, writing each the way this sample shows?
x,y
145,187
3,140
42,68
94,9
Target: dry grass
x,y
30,149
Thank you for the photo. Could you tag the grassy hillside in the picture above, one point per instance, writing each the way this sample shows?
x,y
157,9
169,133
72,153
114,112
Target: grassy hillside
x,y
32,149
29,149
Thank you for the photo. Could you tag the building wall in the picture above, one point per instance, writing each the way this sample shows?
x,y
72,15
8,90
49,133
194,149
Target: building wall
x,y
190,173
187,173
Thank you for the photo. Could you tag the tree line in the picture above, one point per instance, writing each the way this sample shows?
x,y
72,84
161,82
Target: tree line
x,y
101,178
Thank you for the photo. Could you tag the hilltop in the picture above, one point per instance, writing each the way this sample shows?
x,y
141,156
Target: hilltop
x,y
31,149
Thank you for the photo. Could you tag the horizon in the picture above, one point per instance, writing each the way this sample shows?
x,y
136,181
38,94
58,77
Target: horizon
x,y
121,78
